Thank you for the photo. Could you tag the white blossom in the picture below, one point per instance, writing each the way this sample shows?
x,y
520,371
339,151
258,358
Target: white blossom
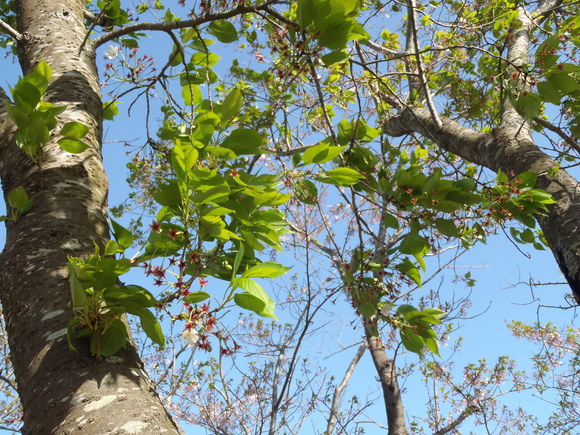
x,y
112,51
191,336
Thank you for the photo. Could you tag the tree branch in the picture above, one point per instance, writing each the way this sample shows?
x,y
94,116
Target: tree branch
x,y
412,27
340,388
6,28
568,139
164,27
464,414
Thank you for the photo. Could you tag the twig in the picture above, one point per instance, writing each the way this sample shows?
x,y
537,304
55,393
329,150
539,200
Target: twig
x,y
164,27
7,28
568,139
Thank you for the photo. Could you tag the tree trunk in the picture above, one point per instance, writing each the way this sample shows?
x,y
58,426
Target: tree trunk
x,y
388,377
62,391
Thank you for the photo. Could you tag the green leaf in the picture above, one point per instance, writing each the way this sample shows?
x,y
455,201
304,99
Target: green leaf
x,y
73,146
74,130
563,82
321,153
168,195
151,327
112,340
367,309
224,31
431,344
249,302
409,269
412,341
184,157
212,194
232,105
191,95
529,105
244,141
122,235
256,290
17,197
205,59
342,177
44,69
446,227
267,269
305,191
26,96
334,57
110,110
238,259
390,221
549,92
412,244
195,297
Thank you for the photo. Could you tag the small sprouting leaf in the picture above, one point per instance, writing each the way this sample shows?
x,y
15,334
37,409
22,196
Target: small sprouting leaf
x,y
110,110
112,340
74,130
44,69
17,197
73,146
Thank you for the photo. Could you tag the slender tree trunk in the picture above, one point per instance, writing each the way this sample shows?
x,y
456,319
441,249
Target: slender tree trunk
x,y
62,391
388,377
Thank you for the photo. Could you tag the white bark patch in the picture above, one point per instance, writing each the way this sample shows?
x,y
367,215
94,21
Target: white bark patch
x,y
51,314
98,404
134,426
72,244
56,334
114,359
66,185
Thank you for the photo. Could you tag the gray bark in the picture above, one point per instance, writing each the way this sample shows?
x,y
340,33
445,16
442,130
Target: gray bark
x,y
387,372
61,391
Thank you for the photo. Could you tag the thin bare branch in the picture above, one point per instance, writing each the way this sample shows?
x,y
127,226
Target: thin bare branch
x,y
568,139
164,27
6,28
340,388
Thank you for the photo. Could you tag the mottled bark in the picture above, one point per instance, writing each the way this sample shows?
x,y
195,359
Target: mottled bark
x,y
387,372
61,391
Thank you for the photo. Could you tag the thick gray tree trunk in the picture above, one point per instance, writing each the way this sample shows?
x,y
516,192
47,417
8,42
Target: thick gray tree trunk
x,y
62,391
